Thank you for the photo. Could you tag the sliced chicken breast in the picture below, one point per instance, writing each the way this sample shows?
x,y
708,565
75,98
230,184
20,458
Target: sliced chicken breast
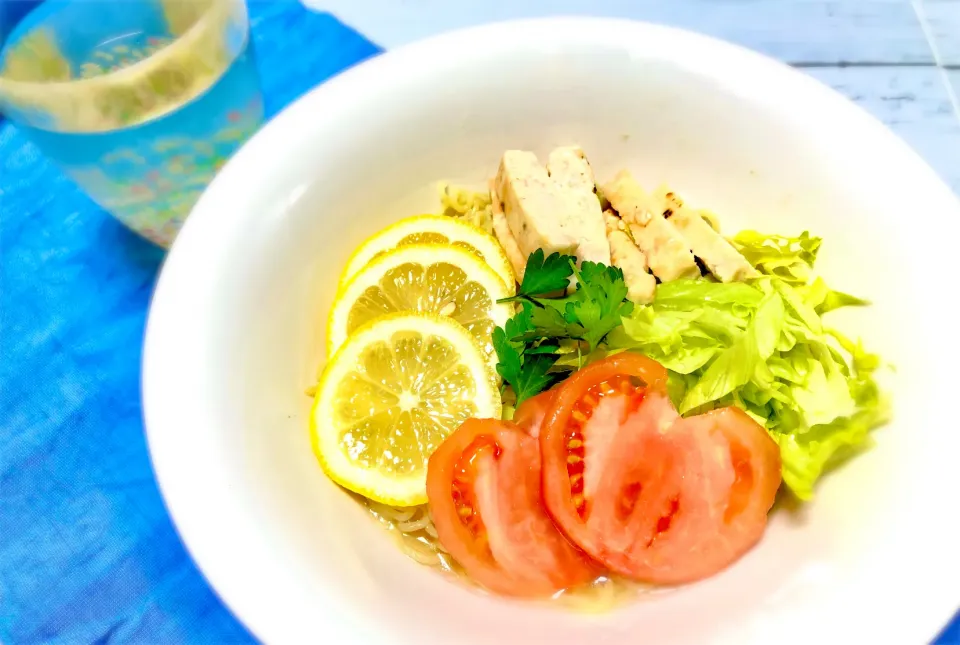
x,y
501,230
717,254
624,254
665,249
555,210
706,243
571,171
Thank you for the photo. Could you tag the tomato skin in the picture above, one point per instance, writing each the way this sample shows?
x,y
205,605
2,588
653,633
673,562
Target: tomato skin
x,y
531,413
506,542
652,373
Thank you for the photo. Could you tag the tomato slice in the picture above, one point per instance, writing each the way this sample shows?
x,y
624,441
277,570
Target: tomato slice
x,y
483,487
650,495
676,494
603,418
531,412
736,474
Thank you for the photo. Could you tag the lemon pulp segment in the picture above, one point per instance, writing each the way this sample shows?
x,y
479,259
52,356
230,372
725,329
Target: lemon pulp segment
x,y
440,288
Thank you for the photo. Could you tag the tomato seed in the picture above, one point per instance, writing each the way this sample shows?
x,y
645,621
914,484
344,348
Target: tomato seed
x,y
577,468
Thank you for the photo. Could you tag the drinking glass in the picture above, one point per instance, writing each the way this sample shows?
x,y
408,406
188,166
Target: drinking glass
x,y
139,101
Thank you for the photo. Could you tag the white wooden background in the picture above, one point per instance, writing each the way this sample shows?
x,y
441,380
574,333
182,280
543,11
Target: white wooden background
x,y
899,59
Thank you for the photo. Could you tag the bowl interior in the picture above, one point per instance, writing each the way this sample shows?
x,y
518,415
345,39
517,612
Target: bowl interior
x,y
236,332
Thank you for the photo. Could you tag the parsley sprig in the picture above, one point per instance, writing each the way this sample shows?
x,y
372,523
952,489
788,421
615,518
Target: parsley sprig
x,y
528,345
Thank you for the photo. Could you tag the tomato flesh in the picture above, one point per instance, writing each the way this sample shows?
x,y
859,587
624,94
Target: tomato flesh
x,y
740,466
623,480
597,397
583,448
650,495
483,487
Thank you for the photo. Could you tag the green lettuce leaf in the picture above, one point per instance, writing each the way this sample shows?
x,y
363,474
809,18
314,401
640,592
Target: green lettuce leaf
x,y
823,299
693,321
763,346
737,365
788,258
806,456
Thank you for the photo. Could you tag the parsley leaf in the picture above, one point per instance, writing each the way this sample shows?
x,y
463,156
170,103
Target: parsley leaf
x,y
546,275
509,362
534,377
521,327
524,369
529,344
545,347
599,302
552,322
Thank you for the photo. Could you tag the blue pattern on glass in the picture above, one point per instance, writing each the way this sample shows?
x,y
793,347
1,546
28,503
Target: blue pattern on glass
x,y
165,93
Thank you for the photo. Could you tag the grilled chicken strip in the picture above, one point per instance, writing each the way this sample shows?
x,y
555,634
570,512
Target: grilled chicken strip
x,y
641,286
716,253
665,249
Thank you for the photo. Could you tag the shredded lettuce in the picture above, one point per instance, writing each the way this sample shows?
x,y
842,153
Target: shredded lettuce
x,y
764,347
788,258
823,299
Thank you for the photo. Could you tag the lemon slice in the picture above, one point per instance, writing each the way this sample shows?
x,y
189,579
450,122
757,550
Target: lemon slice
x,y
424,278
432,229
395,390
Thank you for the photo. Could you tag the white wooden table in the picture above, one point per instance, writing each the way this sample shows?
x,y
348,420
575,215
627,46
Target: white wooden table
x,y
900,59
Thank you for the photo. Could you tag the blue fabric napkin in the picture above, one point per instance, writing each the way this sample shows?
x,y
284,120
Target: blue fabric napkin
x,y
11,12
87,551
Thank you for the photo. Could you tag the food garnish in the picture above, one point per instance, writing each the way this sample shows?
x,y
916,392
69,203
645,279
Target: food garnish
x,y
528,345
431,229
440,279
389,397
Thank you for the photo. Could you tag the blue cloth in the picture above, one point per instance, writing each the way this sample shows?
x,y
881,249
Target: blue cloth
x,y
87,551
11,12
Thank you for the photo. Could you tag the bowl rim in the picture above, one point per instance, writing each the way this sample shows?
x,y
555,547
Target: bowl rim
x,y
200,232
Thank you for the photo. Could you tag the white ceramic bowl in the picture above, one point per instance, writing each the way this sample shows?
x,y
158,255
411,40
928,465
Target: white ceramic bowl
x,y
236,331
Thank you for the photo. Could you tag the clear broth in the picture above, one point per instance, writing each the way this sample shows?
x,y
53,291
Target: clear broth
x,y
413,530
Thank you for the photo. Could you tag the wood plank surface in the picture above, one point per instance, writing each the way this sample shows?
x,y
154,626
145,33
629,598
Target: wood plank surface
x,y
894,58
